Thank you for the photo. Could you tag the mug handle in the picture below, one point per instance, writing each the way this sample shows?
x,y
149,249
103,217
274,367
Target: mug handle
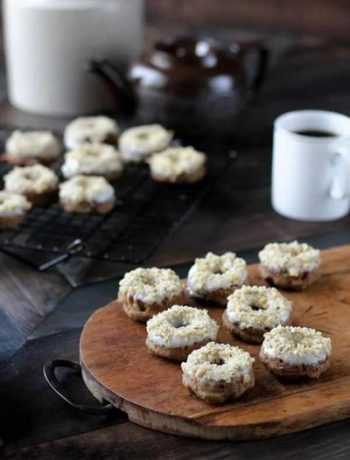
x,y
340,186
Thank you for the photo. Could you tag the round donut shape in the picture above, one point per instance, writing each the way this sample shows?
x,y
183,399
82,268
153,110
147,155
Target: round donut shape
x,y
290,266
254,310
217,372
214,277
144,292
176,332
295,353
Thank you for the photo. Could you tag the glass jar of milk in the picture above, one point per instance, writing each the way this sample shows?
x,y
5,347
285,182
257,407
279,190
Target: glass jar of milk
x,y
50,42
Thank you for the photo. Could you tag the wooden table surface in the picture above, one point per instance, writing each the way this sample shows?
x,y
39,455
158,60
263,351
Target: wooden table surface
x,y
41,316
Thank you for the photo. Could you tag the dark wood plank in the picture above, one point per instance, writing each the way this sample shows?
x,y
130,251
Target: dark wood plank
x,y
128,441
26,298
313,17
33,412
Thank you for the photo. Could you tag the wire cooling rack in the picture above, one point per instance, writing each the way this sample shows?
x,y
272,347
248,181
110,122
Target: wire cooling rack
x,y
145,213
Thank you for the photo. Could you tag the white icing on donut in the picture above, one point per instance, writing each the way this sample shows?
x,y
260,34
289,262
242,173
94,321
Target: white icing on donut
x,y
181,326
137,143
296,345
12,204
258,307
89,189
31,179
92,159
217,362
89,129
150,285
41,145
215,272
292,258
177,163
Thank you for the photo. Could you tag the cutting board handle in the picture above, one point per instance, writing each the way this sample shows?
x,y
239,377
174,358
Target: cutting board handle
x,y
49,371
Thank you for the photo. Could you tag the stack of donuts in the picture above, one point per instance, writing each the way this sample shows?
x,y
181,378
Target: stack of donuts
x,y
96,152
254,314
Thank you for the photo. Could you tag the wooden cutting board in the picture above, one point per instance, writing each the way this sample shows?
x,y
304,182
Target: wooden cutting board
x,y
117,367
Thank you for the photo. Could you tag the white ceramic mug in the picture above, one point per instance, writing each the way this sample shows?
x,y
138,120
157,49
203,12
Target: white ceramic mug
x,y
49,43
311,174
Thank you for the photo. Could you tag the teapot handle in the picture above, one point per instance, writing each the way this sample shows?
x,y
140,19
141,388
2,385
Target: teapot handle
x,y
256,69
120,88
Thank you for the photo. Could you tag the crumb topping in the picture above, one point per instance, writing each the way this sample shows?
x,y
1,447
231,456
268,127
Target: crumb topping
x,y
219,363
216,272
13,204
33,144
181,326
83,130
292,258
258,307
98,159
138,143
91,189
297,345
31,179
176,162
150,285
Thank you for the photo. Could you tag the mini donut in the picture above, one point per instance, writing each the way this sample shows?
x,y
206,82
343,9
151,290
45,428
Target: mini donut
x,y
85,194
13,209
289,265
218,372
253,310
296,352
100,129
178,165
215,277
176,332
37,183
136,144
28,147
93,159
144,292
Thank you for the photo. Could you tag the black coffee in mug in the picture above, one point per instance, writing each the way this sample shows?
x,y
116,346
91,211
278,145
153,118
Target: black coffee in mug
x,y
316,133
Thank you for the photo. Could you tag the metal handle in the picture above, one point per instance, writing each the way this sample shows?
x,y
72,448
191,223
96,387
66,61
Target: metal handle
x,y
50,377
72,249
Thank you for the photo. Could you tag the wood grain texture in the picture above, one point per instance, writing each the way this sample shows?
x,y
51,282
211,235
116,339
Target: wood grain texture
x,y
323,17
119,368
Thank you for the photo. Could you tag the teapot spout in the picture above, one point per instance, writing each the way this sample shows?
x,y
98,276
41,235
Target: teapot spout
x,y
119,86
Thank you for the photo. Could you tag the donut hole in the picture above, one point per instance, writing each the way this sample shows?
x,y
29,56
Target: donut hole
x,y
142,136
30,175
177,323
217,360
256,307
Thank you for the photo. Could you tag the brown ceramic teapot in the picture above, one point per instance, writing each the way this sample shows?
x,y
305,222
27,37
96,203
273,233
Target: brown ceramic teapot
x,y
188,84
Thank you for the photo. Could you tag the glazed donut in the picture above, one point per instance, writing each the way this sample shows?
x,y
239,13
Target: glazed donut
x,y
253,310
85,194
176,332
214,277
178,165
27,147
144,292
93,159
101,130
13,209
296,352
218,372
289,265
136,144
37,183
